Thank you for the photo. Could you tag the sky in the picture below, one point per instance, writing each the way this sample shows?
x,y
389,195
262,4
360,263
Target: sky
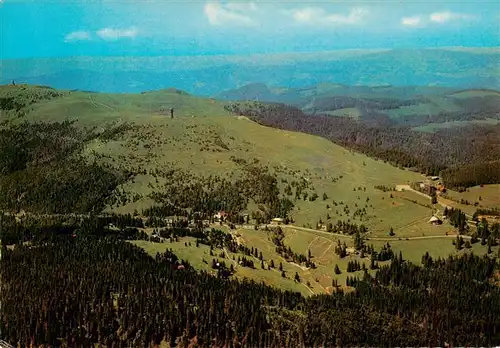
x,y
62,28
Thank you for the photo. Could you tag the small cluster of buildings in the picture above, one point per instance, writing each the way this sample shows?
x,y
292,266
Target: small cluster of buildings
x,y
432,185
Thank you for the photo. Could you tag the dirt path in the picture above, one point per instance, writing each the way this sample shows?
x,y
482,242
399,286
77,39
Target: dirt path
x,y
312,242
317,231
408,188
412,223
415,238
97,104
326,250
370,238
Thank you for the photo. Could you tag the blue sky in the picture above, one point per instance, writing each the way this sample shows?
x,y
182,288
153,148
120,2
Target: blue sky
x,y
51,28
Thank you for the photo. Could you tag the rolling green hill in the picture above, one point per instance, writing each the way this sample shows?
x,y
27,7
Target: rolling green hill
x,y
125,154
204,139
414,106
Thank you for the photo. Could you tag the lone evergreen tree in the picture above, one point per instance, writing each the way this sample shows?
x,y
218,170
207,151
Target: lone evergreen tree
x,y
358,241
391,232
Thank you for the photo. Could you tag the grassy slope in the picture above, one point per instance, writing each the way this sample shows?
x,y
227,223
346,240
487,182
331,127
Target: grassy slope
x,y
321,245
196,255
434,127
159,141
486,197
346,112
433,106
178,142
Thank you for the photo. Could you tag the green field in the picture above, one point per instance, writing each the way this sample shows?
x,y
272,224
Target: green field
x,y
196,255
433,105
433,127
322,247
486,197
354,113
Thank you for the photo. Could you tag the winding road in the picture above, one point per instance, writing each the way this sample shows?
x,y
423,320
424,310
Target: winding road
x,y
385,239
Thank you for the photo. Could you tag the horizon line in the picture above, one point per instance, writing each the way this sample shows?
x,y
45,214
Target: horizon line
x,y
263,54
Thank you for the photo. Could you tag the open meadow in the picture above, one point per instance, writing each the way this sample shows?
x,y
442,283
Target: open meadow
x,y
320,244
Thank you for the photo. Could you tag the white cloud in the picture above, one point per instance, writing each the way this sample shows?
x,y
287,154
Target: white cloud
x,y
434,18
112,34
77,36
411,21
230,14
241,6
446,16
318,16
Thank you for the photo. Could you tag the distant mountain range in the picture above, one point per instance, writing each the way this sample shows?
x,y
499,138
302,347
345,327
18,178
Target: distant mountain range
x,y
382,105
211,75
308,96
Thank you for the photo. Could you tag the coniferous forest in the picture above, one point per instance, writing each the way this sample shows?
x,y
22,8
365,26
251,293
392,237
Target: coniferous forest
x,y
41,169
81,286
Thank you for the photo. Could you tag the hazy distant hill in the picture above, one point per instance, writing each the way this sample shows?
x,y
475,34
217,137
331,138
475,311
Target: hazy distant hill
x,y
304,95
382,105
210,75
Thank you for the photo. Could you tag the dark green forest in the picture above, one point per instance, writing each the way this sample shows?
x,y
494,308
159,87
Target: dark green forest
x,y
41,169
82,285
184,193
